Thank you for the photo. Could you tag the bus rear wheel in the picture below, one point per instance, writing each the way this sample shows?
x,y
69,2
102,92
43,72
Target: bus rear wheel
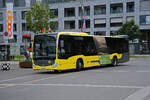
x,y
79,65
114,62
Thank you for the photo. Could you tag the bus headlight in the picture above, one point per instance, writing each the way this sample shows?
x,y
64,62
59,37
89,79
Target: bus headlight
x,y
55,65
33,65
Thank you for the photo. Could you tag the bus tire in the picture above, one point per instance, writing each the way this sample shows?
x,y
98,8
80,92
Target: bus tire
x,y
115,62
79,64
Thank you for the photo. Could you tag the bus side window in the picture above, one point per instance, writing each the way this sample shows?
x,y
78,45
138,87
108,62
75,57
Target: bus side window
x,y
90,46
62,50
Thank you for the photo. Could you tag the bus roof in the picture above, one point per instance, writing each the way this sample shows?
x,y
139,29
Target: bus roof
x,y
72,33
64,33
116,36
81,34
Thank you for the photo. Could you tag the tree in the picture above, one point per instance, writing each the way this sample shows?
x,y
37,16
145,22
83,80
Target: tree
x,y
38,17
131,29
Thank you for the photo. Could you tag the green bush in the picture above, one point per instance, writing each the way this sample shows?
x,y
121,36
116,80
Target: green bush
x,y
19,58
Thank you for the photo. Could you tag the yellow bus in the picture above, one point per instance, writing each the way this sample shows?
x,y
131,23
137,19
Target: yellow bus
x,y
72,50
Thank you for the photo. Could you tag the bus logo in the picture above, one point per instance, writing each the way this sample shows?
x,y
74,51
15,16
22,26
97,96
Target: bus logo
x,y
49,61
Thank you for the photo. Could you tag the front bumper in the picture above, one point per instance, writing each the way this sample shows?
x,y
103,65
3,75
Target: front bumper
x,y
45,67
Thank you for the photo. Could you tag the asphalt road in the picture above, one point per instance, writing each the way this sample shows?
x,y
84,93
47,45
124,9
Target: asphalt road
x,y
129,81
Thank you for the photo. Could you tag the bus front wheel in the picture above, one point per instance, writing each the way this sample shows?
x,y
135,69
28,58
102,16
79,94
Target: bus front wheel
x,y
79,65
115,62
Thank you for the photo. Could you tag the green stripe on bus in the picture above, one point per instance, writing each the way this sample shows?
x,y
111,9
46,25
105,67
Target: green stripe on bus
x,y
104,59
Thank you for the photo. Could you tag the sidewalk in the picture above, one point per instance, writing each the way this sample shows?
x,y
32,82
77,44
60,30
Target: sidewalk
x,y
141,55
11,62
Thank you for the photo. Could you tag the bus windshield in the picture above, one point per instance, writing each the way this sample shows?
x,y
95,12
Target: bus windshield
x,y
44,47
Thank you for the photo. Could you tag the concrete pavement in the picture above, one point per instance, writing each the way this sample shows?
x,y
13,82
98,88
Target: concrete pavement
x,y
130,81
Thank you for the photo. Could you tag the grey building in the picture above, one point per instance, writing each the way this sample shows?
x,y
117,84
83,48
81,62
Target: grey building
x,y
103,17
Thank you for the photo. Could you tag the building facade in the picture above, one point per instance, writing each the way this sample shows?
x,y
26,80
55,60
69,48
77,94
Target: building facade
x,y
103,17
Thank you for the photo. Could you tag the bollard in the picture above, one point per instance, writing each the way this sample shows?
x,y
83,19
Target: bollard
x,y
5,66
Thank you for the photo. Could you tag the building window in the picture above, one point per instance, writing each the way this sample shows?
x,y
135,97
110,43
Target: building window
x,y
14,40
55,12
32,2
145,19
28,2
100,33
87,22
1,39
69,12
100,9
23,15
69,24
144,5
99,23
129,18
116,22
14,16
19,3
1,27
88,33
1,16
54,26
15,27
24,27
57,1
130,6
116,8
26,40
39,0
86,11
113,33
16,3
22,50
119,24
3,3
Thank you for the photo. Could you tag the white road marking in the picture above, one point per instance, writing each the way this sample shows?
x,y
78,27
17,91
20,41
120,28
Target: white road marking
x,y
16,78
113,71
123,71
143,71
139,95
120,71
77,85
10,62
